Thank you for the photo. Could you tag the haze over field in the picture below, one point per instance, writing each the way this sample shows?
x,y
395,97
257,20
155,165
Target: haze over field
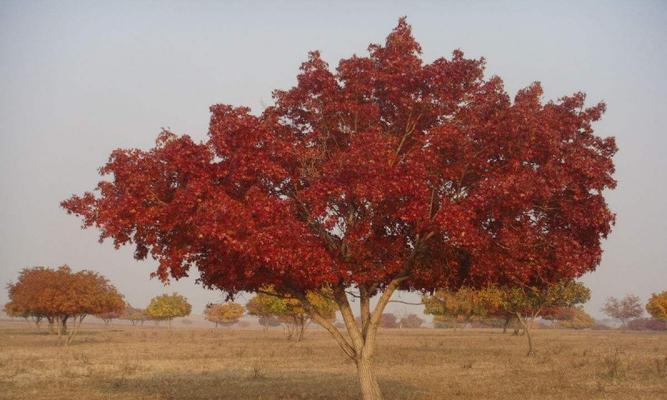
x,y
79,80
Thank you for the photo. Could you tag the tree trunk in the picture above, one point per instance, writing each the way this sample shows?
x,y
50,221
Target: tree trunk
x,y
71,333
370,389
61,321
530,342
360,342
75,329
302,329
526,329
507,322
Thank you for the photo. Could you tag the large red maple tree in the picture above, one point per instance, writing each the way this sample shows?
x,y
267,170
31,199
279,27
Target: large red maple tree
x,y
386,173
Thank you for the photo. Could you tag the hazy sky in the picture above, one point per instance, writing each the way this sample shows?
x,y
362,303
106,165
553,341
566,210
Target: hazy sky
x,y
78,79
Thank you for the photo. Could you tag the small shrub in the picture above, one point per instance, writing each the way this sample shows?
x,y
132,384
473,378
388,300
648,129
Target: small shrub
x,y
411,321
600,327
613,364
661,366
557,349
388,321
256,371
83,358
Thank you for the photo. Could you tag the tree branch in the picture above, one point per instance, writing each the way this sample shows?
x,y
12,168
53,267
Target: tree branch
x,y
364,308
405,302
348,317
374,321
342,342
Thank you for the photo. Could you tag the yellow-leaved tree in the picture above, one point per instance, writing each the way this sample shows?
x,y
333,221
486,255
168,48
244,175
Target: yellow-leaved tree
x,y
224,314
168,306
290,311
657,306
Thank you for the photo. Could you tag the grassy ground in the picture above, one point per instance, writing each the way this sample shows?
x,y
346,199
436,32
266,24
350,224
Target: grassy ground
x,y
157,363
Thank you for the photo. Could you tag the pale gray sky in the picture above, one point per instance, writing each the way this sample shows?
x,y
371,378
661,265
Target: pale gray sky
x,y
78,79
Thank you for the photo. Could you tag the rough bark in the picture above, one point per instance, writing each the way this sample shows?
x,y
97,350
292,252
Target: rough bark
x,y
370,389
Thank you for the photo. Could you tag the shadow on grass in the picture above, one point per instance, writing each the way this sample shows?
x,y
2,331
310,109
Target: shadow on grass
x,y
248,383
25,332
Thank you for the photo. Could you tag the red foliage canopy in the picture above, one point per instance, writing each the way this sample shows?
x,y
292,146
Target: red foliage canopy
x,y
385,167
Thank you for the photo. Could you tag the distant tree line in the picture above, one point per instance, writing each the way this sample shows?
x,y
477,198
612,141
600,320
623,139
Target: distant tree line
x,y
64,298
520,303
629,311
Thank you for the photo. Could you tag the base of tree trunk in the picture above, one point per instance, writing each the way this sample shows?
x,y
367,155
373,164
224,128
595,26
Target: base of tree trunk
x,y
370,389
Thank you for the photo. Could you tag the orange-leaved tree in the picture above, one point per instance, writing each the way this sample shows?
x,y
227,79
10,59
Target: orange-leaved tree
x,y
571,318
115,307
382,174
224,314
134,315
62,296
14,310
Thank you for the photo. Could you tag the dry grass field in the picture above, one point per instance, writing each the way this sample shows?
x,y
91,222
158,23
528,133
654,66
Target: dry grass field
x,y
195,363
